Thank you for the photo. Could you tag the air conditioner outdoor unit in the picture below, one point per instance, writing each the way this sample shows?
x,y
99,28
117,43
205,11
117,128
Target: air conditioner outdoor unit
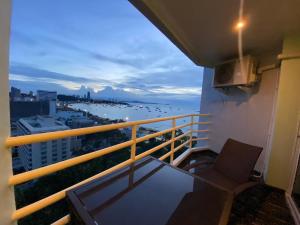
x,y
229,73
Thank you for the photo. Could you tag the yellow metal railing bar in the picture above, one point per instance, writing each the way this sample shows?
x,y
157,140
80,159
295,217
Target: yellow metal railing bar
x,y
200,131
62,221
34,138
202,123
133,145
165,156
36,173
152,150
173,141
200,139
182,145
160,133
191,131
182,135
33,174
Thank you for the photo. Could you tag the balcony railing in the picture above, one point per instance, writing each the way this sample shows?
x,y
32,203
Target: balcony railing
x,y
36,173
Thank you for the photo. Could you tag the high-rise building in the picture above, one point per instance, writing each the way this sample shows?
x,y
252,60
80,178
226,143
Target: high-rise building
x,y
51,97
41,154
46,95
88,95
15,94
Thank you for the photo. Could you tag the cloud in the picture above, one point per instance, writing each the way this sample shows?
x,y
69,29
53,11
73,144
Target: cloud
x,y
93,54
110,59
22,38
187,80
177,90
29,71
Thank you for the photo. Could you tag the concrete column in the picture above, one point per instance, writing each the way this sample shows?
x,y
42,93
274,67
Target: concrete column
x,y
7,199
286,117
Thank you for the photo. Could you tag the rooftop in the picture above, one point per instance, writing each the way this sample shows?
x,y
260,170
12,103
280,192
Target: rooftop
x,y
38,124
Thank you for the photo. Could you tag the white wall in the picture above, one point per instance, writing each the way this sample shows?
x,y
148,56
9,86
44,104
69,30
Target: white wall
x,y
244,116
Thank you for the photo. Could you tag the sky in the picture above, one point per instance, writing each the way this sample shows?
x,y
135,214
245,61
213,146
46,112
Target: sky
x,y
72,46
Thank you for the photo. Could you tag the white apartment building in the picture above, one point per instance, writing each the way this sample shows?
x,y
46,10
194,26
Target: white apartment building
x,y
44,153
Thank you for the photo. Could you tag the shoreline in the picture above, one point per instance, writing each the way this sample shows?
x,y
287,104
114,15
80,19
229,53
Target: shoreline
x,y
105,121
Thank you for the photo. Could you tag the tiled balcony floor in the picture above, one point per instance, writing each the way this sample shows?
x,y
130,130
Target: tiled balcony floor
x,y
261,205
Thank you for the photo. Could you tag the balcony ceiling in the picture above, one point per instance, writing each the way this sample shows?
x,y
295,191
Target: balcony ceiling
x,y
204,29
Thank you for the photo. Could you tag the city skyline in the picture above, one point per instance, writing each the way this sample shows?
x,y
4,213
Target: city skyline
x,y
95,45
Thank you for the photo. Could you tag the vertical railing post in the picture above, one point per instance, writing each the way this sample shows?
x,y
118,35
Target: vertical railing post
x,y
7,205
173,141
133,146
191,132
132,154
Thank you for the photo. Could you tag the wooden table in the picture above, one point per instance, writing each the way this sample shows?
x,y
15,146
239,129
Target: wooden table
x,y
149,192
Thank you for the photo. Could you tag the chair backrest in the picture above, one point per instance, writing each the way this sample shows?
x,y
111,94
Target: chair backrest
x,y
237,160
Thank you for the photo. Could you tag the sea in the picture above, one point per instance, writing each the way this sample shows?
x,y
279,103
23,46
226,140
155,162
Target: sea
x,y
139,111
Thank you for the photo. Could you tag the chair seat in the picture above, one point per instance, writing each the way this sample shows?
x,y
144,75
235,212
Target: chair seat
x,y
217,178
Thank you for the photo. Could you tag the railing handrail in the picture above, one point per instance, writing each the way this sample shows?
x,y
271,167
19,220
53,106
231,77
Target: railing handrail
x,y
41,137
43,171
36,173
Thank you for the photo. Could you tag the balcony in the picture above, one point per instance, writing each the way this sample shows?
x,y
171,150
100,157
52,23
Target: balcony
x,y
178,151
266,115
198,125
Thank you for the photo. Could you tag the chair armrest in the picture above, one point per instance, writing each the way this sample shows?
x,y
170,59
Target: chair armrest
x,y
193,165
239,189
